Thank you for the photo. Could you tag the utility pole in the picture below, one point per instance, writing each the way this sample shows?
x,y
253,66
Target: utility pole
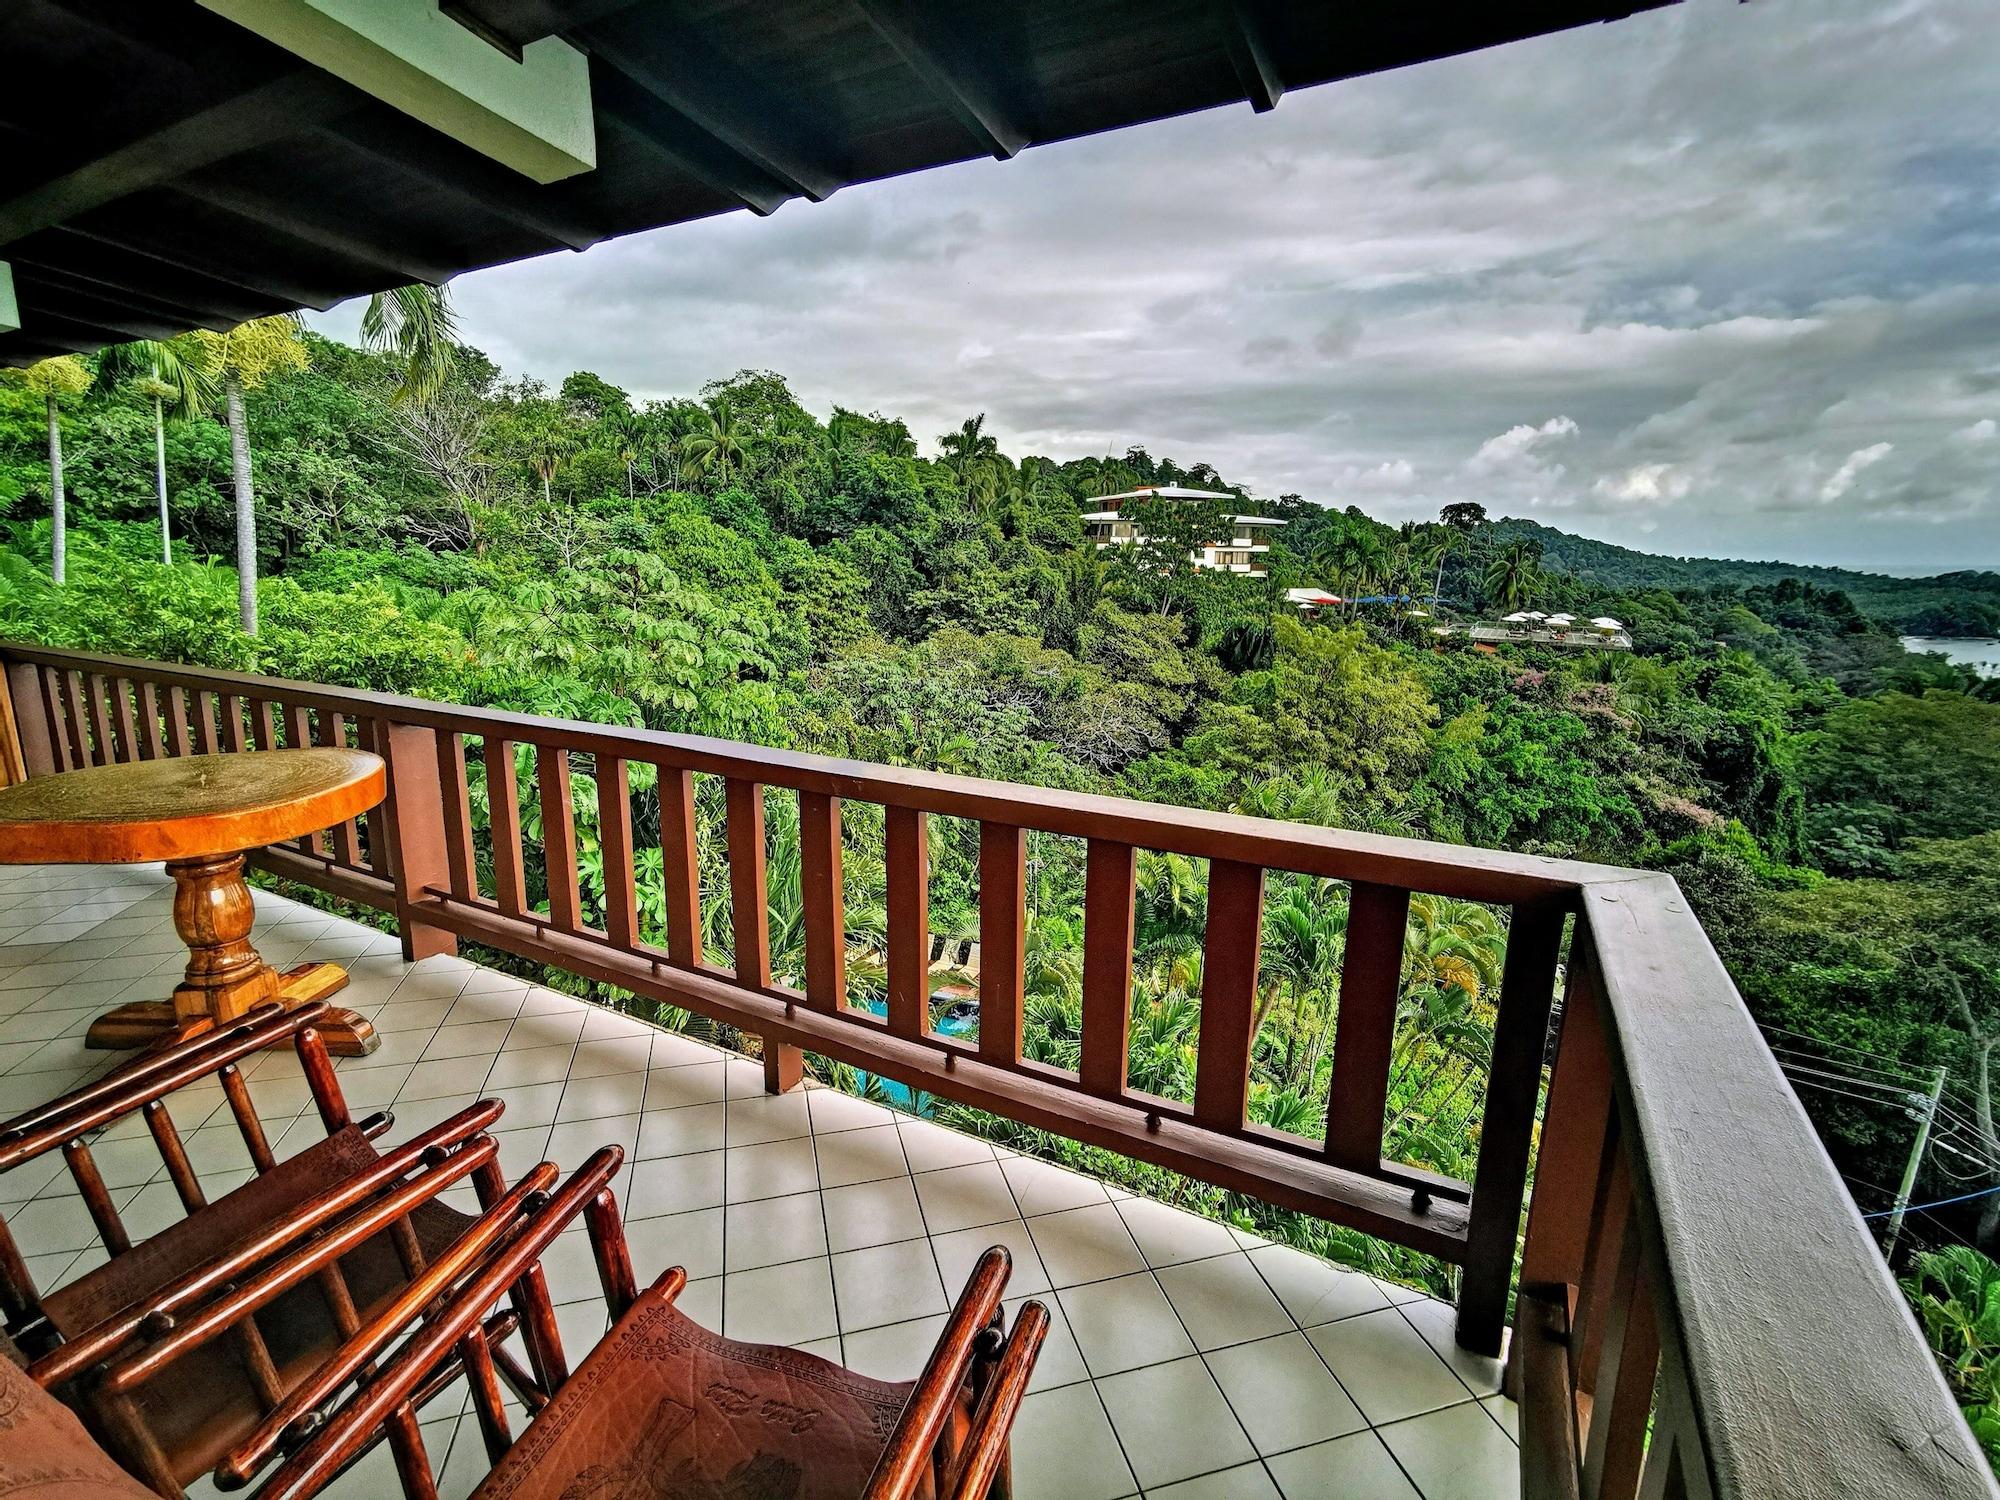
x,y
1926,1113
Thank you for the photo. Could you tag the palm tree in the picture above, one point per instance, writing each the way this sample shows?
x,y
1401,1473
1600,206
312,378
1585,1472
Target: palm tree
x,y
1513,574
170,373
1440,543
53,380
967,448
417,324
718,443
245,357
628,432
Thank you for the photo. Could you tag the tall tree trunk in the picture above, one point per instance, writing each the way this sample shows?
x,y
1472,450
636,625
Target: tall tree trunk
x,y
58,549
160,478
246,506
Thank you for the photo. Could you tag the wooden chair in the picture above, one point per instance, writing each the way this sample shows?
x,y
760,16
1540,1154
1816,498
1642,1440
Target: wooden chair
x,y
661,1406
135,1345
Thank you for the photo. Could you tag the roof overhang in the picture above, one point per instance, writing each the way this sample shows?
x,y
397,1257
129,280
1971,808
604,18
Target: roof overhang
x,y
219,172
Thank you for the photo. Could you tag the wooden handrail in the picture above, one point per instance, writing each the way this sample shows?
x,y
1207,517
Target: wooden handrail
x,y
1687,1234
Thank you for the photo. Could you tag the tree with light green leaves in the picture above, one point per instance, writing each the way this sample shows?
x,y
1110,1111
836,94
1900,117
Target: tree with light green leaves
x,y
54,380
243,359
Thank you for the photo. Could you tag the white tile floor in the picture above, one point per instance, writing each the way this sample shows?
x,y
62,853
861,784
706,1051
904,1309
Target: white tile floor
x,y
1186,1360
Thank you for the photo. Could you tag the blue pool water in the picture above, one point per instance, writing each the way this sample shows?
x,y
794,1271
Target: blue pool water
x,y
962,1020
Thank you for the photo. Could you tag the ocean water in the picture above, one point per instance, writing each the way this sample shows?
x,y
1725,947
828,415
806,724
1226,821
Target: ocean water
x,y
1981,653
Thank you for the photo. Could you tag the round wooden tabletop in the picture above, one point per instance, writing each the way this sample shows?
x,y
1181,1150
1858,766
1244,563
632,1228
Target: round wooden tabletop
x,y
184,807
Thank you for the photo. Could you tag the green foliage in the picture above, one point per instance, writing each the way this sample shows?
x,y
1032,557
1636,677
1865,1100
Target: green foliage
x,y
1956,1292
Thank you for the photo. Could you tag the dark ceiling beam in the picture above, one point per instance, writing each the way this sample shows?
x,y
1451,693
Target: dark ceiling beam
x,y
624,105
935,47
113,313
1250,54
269,112
447,167
177,311
732,107
323,231
272,289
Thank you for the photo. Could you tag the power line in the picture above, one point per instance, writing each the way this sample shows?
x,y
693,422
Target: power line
x,y
1937,1203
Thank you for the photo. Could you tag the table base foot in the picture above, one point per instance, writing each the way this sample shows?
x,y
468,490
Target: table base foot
x,y
155,1023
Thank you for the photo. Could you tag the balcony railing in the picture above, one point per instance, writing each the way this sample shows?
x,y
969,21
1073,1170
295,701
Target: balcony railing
x,y
1700,1311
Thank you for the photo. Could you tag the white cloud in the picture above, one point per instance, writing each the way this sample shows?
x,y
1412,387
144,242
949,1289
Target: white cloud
x,y
1851,467
1521,446
1647,484
1728,244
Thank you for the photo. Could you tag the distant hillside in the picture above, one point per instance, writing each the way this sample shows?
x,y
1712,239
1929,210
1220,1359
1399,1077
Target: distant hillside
x,y
1965,603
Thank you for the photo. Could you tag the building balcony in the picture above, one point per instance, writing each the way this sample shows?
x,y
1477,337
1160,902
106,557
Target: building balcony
x,y
1655,1258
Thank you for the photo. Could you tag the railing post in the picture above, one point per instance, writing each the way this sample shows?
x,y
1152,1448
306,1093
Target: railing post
x,y
415,816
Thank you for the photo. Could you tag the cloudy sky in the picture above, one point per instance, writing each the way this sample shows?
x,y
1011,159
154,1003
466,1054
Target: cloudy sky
x,y
1720,280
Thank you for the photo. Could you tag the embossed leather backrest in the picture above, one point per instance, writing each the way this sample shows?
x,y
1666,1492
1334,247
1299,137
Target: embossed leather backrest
x,y
664,1407
46,1455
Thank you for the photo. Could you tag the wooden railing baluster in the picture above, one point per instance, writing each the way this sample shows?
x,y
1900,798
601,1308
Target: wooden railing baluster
x,y
1109,887
823,901
456,800
180,738
503,802
749,895
263,724
1520,1036
1003,939
299,736
76,719
347,833
151,746
906,852
1622,1392
125,723
1231,947
206,706
1371,979
558,836
679,866
614,837
97,694
234,737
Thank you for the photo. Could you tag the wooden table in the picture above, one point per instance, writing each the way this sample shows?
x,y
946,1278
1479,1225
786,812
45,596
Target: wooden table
x,y
200,813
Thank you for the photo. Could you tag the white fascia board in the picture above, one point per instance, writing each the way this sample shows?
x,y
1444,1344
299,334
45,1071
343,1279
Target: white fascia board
x,y
533,115
10,309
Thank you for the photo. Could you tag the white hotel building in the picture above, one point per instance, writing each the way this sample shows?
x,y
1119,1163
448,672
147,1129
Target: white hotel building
x,y
1242,551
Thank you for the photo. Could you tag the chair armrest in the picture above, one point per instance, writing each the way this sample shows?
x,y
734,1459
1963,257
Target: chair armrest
x,y
980,1456
908,1453
102,1340
178,1336
513,1243
137,1083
